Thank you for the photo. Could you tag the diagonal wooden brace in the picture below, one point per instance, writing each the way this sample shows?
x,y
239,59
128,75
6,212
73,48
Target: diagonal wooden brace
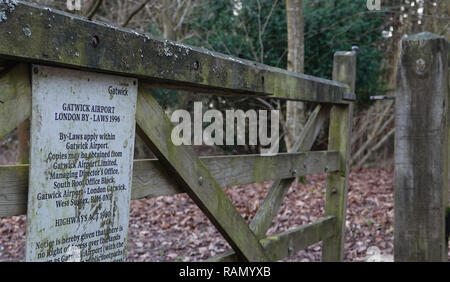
x,y
272,202
191,174
268,210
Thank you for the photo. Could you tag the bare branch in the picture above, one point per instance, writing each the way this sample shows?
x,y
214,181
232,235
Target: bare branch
x,y
375,147
93,9
261,44
134,13
269,16
185,12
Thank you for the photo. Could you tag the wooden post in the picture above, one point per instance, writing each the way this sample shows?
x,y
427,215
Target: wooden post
x,y
344,70
448,128
421,149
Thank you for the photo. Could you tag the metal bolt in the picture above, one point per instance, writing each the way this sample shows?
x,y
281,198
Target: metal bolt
x,y
290,250
326,168
95,41
382,97
196,65
200,180
294,172
35,70
333,191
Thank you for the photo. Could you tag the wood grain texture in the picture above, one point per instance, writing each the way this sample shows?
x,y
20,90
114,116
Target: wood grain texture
x,y
339,136
15,97
288,243
14,190
46,36
421,149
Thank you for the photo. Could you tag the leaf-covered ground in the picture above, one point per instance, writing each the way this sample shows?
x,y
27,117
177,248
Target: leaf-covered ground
x,y
174,229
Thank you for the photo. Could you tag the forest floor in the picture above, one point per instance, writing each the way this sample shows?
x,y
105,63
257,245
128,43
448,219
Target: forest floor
x,y
172,228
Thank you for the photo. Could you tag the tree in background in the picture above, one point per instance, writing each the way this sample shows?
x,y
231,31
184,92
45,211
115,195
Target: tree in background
x,y
337,26
295,111
257,30
375,126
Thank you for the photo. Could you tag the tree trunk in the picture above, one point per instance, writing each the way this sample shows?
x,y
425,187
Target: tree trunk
x,y
441,24
167,23
295,111
168,27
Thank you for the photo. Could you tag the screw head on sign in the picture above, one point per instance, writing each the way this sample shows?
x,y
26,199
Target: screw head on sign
x,y
200,180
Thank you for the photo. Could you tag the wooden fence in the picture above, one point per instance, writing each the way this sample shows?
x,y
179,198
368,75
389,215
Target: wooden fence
x,y
38,35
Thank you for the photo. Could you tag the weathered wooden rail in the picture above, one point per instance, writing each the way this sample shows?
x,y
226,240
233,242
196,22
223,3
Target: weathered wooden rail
x,y
34,34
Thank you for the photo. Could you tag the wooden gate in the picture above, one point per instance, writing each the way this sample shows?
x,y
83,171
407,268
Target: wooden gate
x,y
33,34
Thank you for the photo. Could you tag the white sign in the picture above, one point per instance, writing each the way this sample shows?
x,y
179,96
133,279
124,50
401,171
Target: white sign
x,y
82,141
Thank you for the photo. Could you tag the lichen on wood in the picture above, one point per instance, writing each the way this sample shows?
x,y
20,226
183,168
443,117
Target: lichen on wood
x,y
6,7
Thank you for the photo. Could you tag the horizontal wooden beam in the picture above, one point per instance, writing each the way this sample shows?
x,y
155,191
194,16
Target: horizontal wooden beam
x,y
150,179
13,190
41,35
288,243
243,169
